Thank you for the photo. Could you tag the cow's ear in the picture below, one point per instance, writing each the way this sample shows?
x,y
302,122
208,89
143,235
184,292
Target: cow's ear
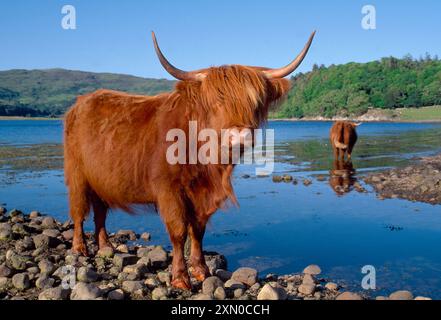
x,y
279,88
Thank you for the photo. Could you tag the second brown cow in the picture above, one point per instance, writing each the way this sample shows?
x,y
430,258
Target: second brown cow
x,y
343,138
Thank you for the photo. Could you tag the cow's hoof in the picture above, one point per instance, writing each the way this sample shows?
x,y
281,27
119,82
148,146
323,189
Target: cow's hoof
x,y
181,283
200,273
80,248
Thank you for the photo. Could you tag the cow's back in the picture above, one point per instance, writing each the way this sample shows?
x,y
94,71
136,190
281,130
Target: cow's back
x,y
107,137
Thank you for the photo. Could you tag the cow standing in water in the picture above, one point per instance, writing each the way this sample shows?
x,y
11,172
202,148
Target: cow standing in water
x,y
116,144
343,138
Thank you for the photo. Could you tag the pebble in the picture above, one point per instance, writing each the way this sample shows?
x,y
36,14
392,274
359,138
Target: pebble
x,y
129,234
145,236
307,182
331,286
44,241
233,284
44,282
17,261
215,262
308,279
245,275
121,260
224,275
268,293
57,293
348,296
219,293
165,277
306,289
68,234
131,286
3,211
143,251
85,291
21,281
312,269
51,233
401,295
87,274
123,248
5,271
34,214
106,252
48,223
157,257
46,266
159,293
117,294
211,284
202,296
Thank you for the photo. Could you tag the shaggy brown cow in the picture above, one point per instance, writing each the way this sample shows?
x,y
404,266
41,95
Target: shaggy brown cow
x,y
115,151
343,138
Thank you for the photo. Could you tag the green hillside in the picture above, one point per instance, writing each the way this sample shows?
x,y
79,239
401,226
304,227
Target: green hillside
x,y
51,92
350,89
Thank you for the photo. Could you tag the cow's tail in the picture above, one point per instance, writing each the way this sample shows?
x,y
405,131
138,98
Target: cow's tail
x,y
340,145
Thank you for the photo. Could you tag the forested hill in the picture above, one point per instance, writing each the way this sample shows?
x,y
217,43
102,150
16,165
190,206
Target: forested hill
x,y
50,92
342,90
350,89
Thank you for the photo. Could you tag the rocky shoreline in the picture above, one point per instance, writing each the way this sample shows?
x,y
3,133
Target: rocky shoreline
x,y
36,263
418,182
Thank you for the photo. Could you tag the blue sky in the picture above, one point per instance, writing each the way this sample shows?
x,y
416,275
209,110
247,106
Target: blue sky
x,y
114,36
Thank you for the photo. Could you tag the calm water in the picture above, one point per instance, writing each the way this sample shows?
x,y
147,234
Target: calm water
x,y
282,227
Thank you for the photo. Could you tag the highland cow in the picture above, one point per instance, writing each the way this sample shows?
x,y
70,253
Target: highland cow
x,y
343,138
115,151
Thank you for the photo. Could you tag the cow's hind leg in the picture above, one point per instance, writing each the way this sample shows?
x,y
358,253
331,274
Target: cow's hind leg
x,y
79,207
100,209
173,212
198,267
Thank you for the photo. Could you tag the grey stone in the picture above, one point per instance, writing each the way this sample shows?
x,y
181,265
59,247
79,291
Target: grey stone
x,y
159,293
106,252
44,241
21,281
48,223
3,211
121,260
4,283
131,286
308,279
312,269
46,266
129,234
17,261
57,293
5,271
87,274
233,284
211,284
68,234
117,294
157,257
245,275
401,295
224,275
51,233
85,291
135,271
44,282
165,277
143,252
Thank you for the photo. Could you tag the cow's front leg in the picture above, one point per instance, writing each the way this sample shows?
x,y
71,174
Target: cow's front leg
x,y
173,213
198,267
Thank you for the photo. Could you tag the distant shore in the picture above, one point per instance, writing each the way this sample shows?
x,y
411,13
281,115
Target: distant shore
x,y
28,118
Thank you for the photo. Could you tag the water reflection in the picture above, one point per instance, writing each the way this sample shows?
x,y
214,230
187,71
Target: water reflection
x,y
341,178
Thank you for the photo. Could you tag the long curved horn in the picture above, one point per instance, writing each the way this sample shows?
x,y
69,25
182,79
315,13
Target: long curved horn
x,y
283,72
175,72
